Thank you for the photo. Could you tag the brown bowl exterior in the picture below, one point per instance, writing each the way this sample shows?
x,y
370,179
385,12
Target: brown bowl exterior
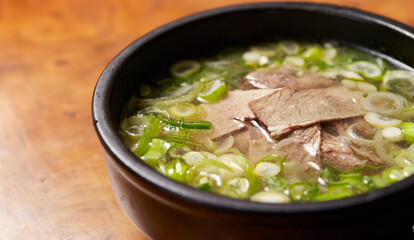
x,y
164,209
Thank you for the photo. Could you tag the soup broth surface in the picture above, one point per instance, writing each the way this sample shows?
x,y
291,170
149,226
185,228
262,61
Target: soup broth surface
x,y
277,122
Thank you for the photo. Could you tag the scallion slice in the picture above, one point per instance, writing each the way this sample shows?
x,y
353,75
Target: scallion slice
x,y
182,110
185,68
408,132
381,121
295,61
335,192
237,187
217,91
313,52
193,157
134,126
400,81
270,197
158,148
224,145
265,49
392,134
366,69
176,169
269,166
329,54
302,191
178,150
384,102
289,47
152,130
204,125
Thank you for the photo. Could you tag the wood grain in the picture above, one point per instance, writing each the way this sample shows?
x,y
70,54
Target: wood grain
x,y
53,180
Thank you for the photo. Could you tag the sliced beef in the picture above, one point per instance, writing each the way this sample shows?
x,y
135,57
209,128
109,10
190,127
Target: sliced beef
x,y
226,115
271,78
301,148
284,77
286,109
338,150
312,80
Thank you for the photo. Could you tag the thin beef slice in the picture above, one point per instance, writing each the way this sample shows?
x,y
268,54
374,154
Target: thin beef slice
x,y
286,109
284,77
339,151
301,148
227,114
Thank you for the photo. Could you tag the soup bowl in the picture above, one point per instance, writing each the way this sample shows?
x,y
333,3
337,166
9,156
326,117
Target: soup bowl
x,y
164,209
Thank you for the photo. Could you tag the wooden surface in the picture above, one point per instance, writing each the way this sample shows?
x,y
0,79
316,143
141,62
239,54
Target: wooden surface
x,y
53,183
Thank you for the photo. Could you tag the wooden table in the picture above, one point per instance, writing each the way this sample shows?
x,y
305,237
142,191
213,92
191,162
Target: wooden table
x,y
53,180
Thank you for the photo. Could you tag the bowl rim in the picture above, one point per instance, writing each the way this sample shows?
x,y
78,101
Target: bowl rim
x,y
113,144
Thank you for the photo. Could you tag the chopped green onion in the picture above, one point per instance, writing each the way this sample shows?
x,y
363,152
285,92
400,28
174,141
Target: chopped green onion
x,y
367,87
381,121
400,81
263,60
350,75
265,49
186,142
267,169
274,182
177,150
335,73
350,84
185,93
208,171
352,175
193,157
392,134
392,175
367,180
185,69
408,132
237,187
204,125
334,193
366,69
408,170
302,191
269,166
229,160
216,92
329,54
328,174
152,130
176,170
204,186
154,111
251,57
351,183
224,145
270,197
157,149
134,126
295,61
313,52
289,47
185,110
240,166
384,102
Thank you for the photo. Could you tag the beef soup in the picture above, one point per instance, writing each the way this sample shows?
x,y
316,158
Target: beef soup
x,y
278,122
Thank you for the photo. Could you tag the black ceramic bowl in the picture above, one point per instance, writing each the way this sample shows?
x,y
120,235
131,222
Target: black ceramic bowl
x,y
164,209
